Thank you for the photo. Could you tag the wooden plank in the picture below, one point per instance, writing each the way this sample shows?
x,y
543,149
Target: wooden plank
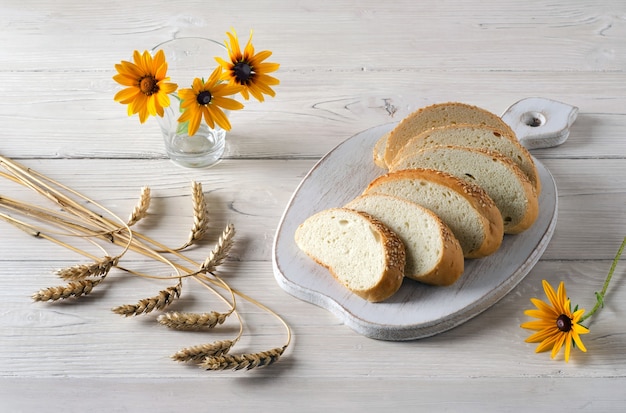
x,y
405,394
486,36
299,122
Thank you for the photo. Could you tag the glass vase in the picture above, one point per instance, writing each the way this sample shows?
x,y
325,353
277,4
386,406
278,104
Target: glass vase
x,y
189,58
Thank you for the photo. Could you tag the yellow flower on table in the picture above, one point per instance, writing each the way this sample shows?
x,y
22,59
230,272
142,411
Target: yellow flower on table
x,y
147,84
557,325
206,99
248,69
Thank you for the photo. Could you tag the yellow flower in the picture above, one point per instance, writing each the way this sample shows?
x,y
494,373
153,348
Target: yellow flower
x,y
147,87
248,69
206,99
557,325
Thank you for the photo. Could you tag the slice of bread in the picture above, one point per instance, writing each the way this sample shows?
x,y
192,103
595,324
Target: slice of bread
x,y
477,136
379,151
468,211
433,254
359,251
501,179
437,115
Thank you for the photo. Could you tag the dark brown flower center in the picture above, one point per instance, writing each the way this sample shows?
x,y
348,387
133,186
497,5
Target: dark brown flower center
x,y
148,85
204,97
242,72
564,323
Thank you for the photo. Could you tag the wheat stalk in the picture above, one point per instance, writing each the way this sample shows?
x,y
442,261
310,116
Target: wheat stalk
x,y
81,271
82,221
202,351
74,288
192,321
141,209
147,305
243,361
220,251
200,216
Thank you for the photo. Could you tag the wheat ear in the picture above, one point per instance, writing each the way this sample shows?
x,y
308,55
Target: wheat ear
x,y
192,321
141,209
100,267
200,216
243,361
147,305
220,251
198,353
72,289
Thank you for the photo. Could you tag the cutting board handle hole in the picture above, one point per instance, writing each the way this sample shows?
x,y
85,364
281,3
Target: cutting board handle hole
x,y
533,119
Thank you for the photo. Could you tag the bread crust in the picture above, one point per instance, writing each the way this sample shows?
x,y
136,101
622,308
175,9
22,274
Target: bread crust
x,y
395,141
532,207
526,164
392,276
451,262
491,219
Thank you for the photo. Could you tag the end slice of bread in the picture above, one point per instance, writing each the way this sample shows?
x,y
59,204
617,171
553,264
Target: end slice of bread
x,y
433,254
437,115
501,179
476,136
358,250
378,153
468,211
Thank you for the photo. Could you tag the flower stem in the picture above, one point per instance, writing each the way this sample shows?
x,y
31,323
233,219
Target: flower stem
x,y
600,295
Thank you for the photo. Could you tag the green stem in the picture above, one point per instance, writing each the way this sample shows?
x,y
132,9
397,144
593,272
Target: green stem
x,y
600,295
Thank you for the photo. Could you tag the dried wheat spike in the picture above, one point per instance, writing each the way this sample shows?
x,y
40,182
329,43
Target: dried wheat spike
x,y
74,288
100,267
200,215
221,250
141,209
192,321
146,305
243,361
197,353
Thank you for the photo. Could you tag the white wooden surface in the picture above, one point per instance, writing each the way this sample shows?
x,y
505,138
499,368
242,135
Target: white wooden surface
x,y
346,66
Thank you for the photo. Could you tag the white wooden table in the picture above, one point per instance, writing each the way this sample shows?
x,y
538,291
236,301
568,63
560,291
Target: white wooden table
x,y
345,67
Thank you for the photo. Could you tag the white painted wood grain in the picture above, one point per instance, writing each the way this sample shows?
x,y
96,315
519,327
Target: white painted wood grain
x,y
345,67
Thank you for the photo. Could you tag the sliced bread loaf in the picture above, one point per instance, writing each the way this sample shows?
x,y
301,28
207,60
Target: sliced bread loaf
x,y
360,252
437,115
476,136
501,179
468,211
433,254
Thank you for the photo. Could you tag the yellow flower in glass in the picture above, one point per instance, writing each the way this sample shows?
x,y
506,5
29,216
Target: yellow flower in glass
x,y
557,324
248,69
147,84
206,99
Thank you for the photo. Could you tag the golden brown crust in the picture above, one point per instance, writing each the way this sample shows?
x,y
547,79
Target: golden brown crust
x,y
395,140
475,195
418,142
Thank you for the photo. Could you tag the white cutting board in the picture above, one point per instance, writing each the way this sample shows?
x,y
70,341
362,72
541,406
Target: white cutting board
x,y
416,310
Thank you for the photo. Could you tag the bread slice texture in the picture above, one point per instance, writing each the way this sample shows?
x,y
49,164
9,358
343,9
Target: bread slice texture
x,y
477,136
501,179
437,115
358,250
433,254
466,209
